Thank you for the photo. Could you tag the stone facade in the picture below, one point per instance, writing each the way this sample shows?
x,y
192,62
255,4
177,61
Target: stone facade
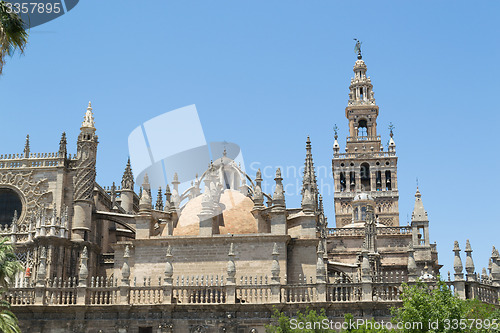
x,y
219,256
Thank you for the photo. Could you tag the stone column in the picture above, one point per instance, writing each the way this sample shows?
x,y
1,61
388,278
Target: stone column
x,y
321,274
366,277
83,274
125,282
412,265
169,272
231,277
459,282
41,278
275,276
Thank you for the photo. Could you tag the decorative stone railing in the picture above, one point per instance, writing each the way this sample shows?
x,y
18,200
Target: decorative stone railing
x,y
344,292
100,291
363,138
342,232
35,160
380,154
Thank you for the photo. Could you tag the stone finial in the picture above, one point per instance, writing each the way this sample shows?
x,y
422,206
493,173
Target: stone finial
x,y
275,265
484,274
42,268
62,145
275,250
113,195
169,270
495,266
457,262
145,202
88,121
365,266
168,196
27,147
320,264
279,193
128,177
258,197
84,271
159,200
231,267
412,265
469,263
175,181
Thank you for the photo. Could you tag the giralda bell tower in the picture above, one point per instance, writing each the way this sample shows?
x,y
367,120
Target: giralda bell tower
x,y
365,166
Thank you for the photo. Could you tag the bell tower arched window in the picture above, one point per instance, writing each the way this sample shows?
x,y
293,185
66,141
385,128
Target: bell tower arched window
x,y
365,177
362,128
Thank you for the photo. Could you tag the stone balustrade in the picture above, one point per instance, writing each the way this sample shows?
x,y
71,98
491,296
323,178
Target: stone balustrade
x,y
215,289
342,232
35,160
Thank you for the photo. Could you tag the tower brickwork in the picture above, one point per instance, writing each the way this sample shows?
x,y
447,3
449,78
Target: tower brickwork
x,y
364,166
84,178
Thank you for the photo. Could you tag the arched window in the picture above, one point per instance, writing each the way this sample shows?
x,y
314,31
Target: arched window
x,y
356,216
378,180
388,180
342,182
365,177
362,128
363,213
9,203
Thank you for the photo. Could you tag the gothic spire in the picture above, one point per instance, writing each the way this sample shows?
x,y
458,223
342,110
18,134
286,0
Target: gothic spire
x,y
309,184
419,213
27,147
159,200
62,145
128,177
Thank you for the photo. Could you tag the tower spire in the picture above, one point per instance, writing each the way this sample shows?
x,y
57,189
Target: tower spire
x,y
128,177
88,120
309,184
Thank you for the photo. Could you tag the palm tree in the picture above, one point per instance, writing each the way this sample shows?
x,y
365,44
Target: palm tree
x,y
9,267
12,33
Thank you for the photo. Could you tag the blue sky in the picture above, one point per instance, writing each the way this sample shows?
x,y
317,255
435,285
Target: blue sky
x,y
265,74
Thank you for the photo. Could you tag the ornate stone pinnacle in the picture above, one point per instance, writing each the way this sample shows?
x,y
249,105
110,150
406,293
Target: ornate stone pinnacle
x,y
275,249
126,252
62,145
85,254
128,177
27,147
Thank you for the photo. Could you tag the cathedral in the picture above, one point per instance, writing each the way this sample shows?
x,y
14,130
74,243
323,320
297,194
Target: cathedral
x,y
220,255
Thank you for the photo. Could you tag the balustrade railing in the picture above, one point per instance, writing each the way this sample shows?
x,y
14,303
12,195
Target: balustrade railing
x,y
341,232
101,291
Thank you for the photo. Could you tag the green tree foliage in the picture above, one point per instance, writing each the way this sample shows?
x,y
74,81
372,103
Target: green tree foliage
x,y
301,323
13,36
425,308
9,266
425,305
